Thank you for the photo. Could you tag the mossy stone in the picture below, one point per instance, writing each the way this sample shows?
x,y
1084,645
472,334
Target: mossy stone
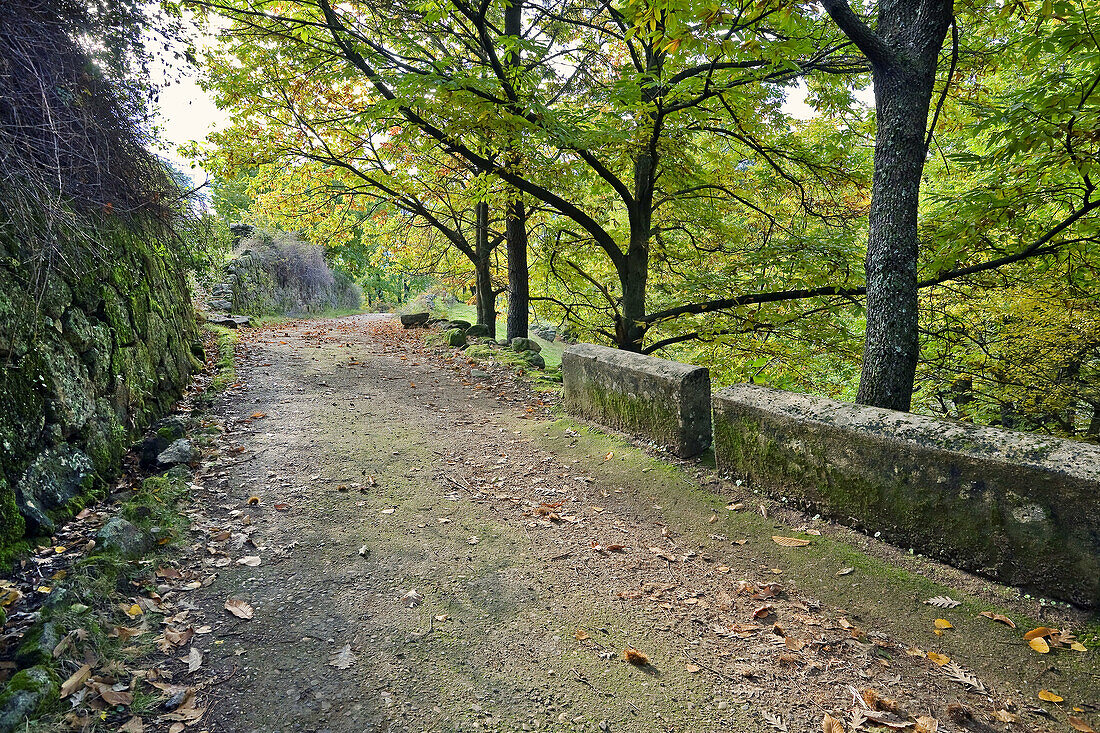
x,y
454,337
38,645
28,692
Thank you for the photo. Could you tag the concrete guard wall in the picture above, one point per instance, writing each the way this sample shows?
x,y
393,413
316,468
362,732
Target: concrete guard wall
x,y
660,399
1021,508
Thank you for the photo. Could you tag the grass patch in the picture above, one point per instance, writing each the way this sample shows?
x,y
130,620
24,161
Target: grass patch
x,y
225,362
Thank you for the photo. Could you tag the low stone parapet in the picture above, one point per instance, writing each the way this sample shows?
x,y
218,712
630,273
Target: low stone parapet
x,y
1021,508
660,399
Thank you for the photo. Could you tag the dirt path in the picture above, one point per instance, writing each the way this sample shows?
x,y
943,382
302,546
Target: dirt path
x,y
438,553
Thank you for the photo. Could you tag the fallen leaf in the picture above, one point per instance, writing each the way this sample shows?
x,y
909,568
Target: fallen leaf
x,y
1078,647
927,724
258,415
1039,644
239,608
251,561
177,728
343,658
581,635
282,507
1050,696
412,599
940,659
1080,724
635,657
115,697
845,571
390,510
942,623
76,681
692,668
133,725
1004,716
1038,633
831,725
609,456
943,602
789,541
193,660
998,617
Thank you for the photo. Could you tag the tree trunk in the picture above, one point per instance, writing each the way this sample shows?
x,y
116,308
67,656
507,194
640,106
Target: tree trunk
x,y
515,236
633,271
515,229
486,296
903,51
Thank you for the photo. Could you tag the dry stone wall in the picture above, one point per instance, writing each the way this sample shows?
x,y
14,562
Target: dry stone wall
x,y
94,347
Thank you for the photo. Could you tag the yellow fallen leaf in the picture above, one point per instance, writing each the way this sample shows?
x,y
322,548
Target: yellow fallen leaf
x,y
1078,647
942,623
789,541
1039,644
1050,696
133,610
940,659
1038,633
581,635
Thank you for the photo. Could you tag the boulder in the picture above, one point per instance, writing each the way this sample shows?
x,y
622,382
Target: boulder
x,y
219,304
56,477
521,344
38,645
229,321
178,452
26,692
477,330
414,320
460,324
534,359
454,337
122,537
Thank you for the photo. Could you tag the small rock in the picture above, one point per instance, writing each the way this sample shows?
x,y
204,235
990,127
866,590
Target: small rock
x,y
534,359
454,337
219,304
123,537
521,344
477,330
179,452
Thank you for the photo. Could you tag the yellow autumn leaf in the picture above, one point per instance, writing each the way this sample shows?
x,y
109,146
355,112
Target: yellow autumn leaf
x,y
581,635
942,623
789,541
1038,633
940,659
831,725
1039,644
1078,647
1049,696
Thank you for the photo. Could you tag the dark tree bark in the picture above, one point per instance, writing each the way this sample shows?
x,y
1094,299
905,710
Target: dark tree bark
x,y
515,235
486,296
903,50
515,230
633,268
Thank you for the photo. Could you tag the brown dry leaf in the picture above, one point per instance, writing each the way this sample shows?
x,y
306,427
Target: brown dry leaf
x,y
177,728
609,456
635,657
940,659
581,635
712,519
239,608
251,561
1038,633
789,541
692,668
258,415
793,644
1005,717
831,725
1039,644
113,697
998,617
926,724
282,506
1080,724
133,725
76,681
1050,696
942,623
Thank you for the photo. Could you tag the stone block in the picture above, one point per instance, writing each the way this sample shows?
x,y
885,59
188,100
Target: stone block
x,y
1021,508
413,320
660,399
